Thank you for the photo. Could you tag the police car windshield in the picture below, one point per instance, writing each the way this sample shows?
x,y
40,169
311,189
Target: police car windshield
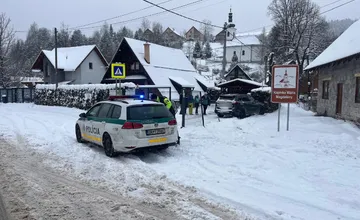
x,y
143,112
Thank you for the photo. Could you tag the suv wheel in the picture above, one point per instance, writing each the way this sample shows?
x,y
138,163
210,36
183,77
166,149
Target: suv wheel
x,y
108,146
241,114
262,111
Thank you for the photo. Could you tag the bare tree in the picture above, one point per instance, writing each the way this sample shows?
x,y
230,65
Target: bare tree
x,y
207,30
298,23
7,35
145,24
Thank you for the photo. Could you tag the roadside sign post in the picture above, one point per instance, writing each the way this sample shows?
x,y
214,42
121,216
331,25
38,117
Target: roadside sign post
x,y
285,88
118,72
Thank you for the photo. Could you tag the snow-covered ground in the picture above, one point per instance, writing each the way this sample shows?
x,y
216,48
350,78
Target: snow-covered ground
x,y
309,172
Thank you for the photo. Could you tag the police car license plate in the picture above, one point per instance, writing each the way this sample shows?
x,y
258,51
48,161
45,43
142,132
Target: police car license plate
x,y
155,131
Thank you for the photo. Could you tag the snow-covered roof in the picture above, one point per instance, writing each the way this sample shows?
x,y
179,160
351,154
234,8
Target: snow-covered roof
x,y
262,89
242,80
31,79
70,58
346,45
165,62
85,86
248,40
181,81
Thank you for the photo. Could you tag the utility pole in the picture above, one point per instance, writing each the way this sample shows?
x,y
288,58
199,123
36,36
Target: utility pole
x,y
265,69
56,59
224,53
308,75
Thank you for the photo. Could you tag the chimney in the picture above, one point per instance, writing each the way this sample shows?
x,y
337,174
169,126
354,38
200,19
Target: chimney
x,y
147,52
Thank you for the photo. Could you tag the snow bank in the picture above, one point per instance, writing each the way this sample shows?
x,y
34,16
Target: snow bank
x,y
262,89
84,86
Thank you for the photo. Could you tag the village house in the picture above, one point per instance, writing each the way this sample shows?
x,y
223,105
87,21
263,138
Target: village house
x,y
338,70
76,65
152,66
148,35
173,38
194,34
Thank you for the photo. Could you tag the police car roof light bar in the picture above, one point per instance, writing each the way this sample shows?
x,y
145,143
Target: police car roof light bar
x,y
121,97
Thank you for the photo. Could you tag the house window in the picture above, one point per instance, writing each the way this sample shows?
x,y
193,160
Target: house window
x,y
90,65
243,52
228,34
135,66
46,69
325,89
357,95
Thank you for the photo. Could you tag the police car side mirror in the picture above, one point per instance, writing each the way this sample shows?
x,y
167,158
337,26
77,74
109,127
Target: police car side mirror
x,y
82,115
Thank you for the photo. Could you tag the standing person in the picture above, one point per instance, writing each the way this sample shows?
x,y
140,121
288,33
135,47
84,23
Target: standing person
x,y
183,111
191,103
168,104
205,102
165,101
197,104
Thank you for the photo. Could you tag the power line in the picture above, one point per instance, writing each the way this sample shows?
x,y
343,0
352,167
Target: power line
x,y
192,19
119,16
337,7
331,3
145,16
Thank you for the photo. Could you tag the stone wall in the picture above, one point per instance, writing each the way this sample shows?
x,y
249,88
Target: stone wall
x,y
343,73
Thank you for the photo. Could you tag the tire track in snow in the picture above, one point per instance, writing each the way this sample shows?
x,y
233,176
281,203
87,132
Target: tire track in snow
x,y
34,172
3,212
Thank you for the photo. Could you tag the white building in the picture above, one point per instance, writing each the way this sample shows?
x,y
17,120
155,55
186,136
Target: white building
x,y
247,47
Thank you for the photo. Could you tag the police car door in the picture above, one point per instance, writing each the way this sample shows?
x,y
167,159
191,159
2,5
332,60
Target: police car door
x,y
99,125
87,125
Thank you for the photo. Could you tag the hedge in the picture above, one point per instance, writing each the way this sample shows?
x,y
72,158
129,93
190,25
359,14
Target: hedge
x,y
77,96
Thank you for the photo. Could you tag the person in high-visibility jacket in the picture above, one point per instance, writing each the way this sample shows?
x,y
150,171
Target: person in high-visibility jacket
x,y
165,101
168,105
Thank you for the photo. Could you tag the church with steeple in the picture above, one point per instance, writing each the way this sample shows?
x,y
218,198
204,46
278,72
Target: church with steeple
x,y
240,47
230,33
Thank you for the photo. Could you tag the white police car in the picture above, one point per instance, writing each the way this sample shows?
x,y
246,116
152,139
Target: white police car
x,y
124,124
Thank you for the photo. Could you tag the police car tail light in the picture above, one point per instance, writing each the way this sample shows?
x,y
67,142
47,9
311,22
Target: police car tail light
x,y
172,122
131,125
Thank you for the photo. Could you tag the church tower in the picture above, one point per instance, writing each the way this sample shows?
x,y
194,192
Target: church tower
x,y
231,30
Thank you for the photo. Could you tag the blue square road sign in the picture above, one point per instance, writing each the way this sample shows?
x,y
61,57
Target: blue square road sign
x,y
118,71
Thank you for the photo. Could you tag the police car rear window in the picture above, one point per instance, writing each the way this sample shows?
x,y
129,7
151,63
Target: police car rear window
x,y
143,112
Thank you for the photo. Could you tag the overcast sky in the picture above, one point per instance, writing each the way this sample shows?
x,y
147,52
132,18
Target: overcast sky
x,y
248,14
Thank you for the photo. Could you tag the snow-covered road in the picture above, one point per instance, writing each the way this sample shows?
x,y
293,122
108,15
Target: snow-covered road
x,y
310,172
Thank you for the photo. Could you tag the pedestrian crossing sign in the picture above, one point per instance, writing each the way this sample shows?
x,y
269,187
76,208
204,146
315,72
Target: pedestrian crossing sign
x,y
118,71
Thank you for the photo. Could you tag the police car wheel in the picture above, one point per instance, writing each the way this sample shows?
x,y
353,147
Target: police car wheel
x,y
78,134
108,146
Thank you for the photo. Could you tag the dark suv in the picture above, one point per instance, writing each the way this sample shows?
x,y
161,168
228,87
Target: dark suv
x,y
238,105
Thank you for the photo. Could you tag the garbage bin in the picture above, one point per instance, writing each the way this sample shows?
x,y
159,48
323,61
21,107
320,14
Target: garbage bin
x,y
4,99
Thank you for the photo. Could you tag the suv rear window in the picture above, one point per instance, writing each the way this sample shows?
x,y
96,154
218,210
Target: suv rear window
x,y
144,112
227,98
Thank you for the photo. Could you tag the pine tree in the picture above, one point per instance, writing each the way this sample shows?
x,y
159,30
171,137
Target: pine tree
x,y
197,50
139,34
106,46
157,29
95,38
63,36
208,50
77,39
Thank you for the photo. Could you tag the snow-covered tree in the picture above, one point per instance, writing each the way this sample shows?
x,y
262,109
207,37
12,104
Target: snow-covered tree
x,y
63,38
106,45
207,30
95,38
78,39
6,40
158,31
139,34
208,50
145,24
197,50
297,24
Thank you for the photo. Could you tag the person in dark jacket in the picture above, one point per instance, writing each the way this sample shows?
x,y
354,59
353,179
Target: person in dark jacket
x,y
205,102
197,104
